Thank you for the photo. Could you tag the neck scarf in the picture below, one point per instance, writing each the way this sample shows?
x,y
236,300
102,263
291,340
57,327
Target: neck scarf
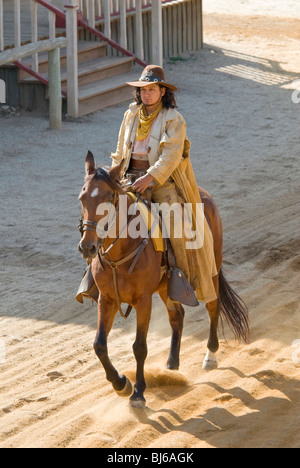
x,y
146,121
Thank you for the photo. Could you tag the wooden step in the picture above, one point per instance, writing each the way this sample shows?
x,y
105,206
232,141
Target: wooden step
x,y
87,51
105,93
100,69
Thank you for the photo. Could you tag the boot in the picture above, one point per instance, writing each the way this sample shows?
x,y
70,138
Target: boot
x,y
87,288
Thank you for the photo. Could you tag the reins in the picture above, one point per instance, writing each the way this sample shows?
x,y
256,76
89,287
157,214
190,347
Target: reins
x,y
86,225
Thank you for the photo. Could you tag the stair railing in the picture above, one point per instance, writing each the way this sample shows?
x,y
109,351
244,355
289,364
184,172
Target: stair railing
x,y
52,46
92,12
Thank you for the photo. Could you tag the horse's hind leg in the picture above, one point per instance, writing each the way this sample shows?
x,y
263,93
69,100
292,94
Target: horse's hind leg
x,y
176,318
210,361
107,311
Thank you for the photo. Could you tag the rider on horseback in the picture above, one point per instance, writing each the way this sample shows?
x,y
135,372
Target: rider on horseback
x,y
154,149
153,144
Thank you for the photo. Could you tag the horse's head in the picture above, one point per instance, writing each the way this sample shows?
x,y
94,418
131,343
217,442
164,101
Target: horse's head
x,y
100,187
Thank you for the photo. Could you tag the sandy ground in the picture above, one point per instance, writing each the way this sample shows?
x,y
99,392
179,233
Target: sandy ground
x,y
244,129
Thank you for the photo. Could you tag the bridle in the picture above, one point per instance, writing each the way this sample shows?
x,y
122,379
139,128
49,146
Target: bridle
x,y
87,225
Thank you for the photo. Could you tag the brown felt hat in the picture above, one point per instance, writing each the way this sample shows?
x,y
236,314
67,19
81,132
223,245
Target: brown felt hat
x,y
152,74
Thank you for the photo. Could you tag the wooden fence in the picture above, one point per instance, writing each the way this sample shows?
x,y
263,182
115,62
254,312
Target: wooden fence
x,y
52,47
149,29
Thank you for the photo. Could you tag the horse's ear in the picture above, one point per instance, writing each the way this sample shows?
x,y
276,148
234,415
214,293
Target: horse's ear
x,y
89,163
116,171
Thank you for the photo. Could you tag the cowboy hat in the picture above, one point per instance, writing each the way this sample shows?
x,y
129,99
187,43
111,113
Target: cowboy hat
x,y
152,74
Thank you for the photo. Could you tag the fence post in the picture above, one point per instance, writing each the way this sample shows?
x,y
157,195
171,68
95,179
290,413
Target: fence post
x,y
157,34
72,60
34,33
55,99
139,30
91,13
17,21
123,25
1,26
107,25
52,28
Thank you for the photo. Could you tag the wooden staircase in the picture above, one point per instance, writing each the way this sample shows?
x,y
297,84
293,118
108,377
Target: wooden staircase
x,y
101,79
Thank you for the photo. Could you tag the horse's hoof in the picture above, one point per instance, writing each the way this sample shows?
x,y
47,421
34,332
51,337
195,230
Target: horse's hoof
x,y
172,365
209,365
137,403
127,390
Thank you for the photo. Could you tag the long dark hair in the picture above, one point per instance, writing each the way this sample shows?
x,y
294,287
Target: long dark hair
x,y
168,100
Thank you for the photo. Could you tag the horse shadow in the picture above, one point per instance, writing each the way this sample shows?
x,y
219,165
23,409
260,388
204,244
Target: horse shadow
x,y
218,427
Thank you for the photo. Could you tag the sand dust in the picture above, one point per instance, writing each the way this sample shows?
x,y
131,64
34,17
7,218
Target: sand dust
x,y
236,97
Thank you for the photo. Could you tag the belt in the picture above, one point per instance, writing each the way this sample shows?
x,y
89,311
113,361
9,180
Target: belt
x,y
139,165
140,157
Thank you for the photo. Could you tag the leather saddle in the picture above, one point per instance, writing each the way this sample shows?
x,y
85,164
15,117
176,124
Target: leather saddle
x,y
179,288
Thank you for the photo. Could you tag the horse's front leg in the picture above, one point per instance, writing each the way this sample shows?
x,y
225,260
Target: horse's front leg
x,y
107,311
143,313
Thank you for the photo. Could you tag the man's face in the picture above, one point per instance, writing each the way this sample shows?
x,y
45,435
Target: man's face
x,y
152,94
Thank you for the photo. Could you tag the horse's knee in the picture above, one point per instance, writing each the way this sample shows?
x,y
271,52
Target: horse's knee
x,y
176,315
100,349
140,350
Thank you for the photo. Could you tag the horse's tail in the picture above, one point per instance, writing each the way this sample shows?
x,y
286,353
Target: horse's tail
x,y
233,309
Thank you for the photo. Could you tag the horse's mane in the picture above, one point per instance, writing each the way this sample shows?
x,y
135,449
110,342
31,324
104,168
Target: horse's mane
x,y
103,175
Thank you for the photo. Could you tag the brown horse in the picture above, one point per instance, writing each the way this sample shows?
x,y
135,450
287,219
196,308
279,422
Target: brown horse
x,y
135,289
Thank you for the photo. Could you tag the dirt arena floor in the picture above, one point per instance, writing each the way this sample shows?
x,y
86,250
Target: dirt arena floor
x,y
237,97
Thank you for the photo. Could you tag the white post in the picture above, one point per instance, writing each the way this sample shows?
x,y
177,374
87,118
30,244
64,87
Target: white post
x,y
123,25
98,8
55,100
1,26
157,35
91,13
72,60
107,11
52,29
17,21
139,30
34,33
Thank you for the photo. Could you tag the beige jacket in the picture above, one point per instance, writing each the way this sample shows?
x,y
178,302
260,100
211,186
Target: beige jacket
x,y
168,155
166,143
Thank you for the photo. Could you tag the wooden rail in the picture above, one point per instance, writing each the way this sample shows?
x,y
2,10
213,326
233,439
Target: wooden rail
x,y
12,55
52,46
139,23
150,29
144,29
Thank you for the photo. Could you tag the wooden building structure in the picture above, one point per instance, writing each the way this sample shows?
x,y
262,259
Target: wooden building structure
x,y
108,43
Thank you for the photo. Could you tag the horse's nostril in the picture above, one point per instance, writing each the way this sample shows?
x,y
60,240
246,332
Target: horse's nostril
x,y
87,250
93,250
